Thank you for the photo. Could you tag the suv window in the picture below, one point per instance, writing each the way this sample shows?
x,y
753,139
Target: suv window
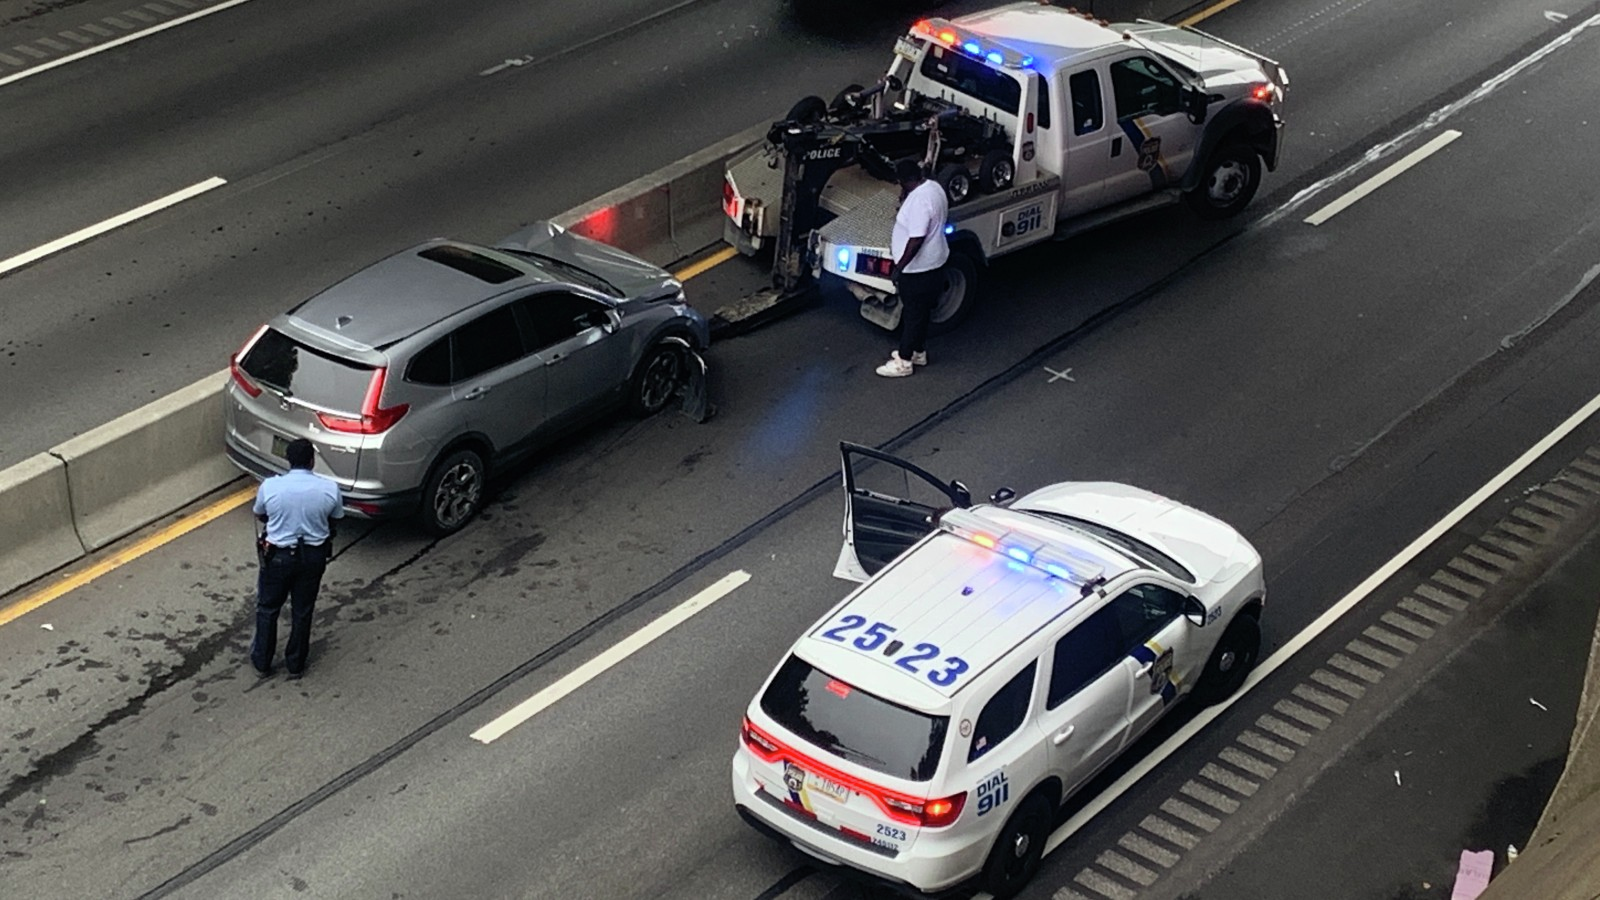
x,y
431,365
963,73
1143,610
1003,714
296,370
487,342
555,316
1084,654
1088,109
854,724
1143,87
469,263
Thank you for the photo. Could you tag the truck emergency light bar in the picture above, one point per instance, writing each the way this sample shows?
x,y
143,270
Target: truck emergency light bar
x,y
942,31
1023,548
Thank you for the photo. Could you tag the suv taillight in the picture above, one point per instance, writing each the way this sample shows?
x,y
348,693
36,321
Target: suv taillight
x,y
927,813
730,200
757,743
373,420
244,381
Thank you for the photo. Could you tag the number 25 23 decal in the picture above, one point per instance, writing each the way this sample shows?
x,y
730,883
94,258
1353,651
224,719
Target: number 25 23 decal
x,y
873,635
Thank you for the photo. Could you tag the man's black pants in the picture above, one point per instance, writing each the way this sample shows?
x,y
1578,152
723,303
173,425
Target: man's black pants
x,y
294,575
919,293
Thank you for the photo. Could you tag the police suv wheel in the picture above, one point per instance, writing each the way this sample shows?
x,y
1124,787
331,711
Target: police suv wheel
x,y
453,493
1230,663
1231,177
1017,850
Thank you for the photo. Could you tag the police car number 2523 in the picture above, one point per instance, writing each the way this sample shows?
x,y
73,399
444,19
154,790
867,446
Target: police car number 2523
x,y
919,659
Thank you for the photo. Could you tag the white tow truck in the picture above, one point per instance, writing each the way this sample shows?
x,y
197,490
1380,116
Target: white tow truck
x,y
1041,122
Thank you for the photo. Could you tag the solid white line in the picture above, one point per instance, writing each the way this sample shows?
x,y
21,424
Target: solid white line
x,y
1383,177
125,39
629,645
78,237
1322,623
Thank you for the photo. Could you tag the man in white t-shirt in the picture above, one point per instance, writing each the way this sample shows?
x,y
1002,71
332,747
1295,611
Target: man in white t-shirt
x,y
920,252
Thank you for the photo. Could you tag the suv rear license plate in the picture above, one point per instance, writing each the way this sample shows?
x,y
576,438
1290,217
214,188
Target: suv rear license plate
x,y
280,447
794,776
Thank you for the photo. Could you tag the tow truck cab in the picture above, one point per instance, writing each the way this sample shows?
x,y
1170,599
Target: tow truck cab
x,y
1102,121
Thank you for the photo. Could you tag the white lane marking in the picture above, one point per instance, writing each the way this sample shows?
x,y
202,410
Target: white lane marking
x,y
127,38
1433,120
1322,623
1064,374
1383,177
84,234
625,648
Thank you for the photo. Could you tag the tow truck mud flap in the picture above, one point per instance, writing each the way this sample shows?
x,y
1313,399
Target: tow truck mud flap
x,y
693,395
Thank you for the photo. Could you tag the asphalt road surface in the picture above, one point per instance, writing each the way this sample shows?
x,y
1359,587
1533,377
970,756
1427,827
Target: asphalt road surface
x,y
1331,390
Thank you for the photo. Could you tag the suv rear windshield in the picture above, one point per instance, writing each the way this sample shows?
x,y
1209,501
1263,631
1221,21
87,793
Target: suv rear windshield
x,y
852,723
962,73
295,370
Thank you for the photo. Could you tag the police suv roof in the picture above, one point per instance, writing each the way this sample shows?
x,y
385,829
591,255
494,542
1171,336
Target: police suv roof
x,y
1047,33
967,592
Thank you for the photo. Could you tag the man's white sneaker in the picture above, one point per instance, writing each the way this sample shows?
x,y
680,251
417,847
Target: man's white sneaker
x,y
895,367
919,358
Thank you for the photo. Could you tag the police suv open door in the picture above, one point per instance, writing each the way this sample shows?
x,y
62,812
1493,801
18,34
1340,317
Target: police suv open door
x,y
890,504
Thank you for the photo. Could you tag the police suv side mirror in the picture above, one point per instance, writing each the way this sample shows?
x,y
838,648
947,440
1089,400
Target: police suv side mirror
x,y
959,495
1195,612
1002,496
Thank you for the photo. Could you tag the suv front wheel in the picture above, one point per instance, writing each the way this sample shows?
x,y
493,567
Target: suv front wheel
x,y
453,492
656,380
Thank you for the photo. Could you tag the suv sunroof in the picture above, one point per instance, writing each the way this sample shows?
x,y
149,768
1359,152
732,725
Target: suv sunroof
x,y
468,263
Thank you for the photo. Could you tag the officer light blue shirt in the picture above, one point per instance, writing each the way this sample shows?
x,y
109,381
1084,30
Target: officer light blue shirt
x,y
298,505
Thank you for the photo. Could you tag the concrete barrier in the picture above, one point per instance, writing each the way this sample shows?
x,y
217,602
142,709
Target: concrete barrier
x,y
36,531
142,466
669,214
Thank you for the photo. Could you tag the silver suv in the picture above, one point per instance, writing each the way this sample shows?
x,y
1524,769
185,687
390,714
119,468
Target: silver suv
x,y
420,374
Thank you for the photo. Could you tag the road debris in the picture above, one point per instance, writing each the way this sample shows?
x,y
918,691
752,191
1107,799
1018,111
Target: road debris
x,y
1538,704
1472,875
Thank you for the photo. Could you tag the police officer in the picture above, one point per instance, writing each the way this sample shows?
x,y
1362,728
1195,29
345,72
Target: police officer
x,y
297,507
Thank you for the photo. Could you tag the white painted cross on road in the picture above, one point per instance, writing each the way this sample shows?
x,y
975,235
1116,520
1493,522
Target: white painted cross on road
x,y
1063,375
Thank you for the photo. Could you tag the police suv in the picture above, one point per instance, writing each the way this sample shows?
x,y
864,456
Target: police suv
x,y
925,730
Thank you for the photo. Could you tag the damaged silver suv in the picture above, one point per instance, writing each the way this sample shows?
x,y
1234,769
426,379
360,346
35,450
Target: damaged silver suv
x,y
421,374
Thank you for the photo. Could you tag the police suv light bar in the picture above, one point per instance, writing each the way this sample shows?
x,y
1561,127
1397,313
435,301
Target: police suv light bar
x,y
943,31
1025,549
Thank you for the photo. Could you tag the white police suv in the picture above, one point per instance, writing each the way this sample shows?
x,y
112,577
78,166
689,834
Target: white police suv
x,y
926,729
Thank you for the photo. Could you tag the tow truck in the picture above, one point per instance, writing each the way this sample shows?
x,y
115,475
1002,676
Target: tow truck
x,y
1041,122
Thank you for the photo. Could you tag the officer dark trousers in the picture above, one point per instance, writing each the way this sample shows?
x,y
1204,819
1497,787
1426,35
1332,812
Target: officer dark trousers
x,y
293,574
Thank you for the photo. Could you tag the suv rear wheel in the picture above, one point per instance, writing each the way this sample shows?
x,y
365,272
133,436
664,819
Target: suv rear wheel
x,y
1016,853
453,492
1231,177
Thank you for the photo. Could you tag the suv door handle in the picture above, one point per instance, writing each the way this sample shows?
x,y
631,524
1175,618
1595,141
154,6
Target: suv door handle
x,y
552,360
1116,146
475,393
1145,669
1061,736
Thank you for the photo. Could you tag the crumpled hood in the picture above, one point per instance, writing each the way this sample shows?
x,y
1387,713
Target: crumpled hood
x,y
637,279
1220,67
1205,545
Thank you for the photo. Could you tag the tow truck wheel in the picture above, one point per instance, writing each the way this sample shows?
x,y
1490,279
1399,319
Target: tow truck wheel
x,y
1231,177
1017,851
957,301
956,181
996,172
808,110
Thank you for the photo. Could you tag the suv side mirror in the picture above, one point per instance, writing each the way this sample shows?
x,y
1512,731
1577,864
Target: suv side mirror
x,y
1195,612
594,319
1004,495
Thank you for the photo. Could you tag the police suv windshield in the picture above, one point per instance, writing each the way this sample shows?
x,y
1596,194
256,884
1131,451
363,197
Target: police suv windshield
x,y
852,723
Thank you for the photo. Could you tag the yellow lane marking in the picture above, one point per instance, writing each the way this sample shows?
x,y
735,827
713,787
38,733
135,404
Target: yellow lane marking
x,y
701,266
221,507
1208,12
117,560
